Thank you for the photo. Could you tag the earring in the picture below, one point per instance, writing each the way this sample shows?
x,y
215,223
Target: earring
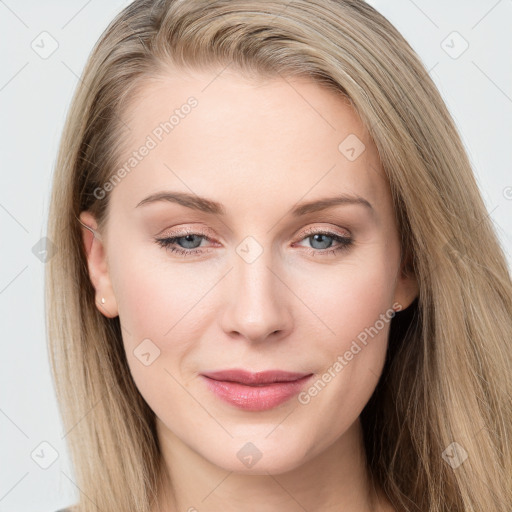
x,y
103,300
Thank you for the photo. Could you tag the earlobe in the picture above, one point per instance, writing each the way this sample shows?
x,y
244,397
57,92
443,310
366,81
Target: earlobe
x,y
97,265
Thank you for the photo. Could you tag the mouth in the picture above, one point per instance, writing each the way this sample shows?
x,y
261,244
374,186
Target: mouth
x,y
255,391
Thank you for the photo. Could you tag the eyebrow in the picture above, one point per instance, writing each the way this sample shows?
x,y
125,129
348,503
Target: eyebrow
x,y
209,206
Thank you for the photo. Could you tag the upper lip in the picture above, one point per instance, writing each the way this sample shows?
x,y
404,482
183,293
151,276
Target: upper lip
x,y
251,378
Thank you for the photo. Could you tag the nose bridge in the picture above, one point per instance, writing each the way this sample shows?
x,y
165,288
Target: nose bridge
x,y
257,307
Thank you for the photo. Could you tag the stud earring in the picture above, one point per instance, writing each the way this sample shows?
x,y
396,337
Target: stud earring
x,y
103,300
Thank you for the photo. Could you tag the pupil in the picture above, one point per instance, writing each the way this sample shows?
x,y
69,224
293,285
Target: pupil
x,y
189,241
319,238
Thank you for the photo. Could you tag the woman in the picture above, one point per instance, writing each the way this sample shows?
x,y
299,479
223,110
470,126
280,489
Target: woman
x,y
277,285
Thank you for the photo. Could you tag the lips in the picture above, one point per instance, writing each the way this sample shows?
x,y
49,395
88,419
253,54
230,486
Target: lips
x,y
255,391
254,379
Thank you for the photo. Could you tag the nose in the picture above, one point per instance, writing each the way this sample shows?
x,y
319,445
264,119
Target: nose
x,y
258,303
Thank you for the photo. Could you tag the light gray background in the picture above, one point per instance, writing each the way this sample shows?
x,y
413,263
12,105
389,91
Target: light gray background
x,y
34,97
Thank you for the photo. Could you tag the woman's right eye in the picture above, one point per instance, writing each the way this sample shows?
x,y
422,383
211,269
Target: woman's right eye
x,y
190,242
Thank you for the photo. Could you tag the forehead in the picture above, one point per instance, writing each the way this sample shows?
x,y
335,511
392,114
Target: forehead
x,y
220,134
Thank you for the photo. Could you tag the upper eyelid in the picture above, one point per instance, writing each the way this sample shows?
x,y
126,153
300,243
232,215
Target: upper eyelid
x,y
329,231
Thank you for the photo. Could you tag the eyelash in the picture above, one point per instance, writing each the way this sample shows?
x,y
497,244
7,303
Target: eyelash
x,y
346,242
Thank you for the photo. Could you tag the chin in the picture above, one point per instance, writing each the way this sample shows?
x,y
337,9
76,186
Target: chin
x,y
259,456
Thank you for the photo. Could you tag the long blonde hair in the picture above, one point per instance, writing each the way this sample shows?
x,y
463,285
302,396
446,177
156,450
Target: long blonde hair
x,y
448,373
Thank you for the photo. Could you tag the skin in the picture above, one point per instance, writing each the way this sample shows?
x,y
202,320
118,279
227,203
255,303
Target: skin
x,y
259,147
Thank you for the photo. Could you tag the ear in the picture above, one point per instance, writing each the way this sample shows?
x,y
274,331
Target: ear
x,y
97,265
407,288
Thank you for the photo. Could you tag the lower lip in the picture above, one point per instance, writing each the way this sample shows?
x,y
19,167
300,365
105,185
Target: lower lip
x,y
256,398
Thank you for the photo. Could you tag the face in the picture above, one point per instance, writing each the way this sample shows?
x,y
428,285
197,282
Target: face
x,y
249,263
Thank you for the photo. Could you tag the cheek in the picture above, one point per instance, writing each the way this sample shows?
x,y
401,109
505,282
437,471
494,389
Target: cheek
x,y
156,305
161,310
355,307
348,298
155,297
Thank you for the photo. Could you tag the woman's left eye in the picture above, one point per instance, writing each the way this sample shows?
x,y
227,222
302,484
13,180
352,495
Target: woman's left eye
x,y
189,243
